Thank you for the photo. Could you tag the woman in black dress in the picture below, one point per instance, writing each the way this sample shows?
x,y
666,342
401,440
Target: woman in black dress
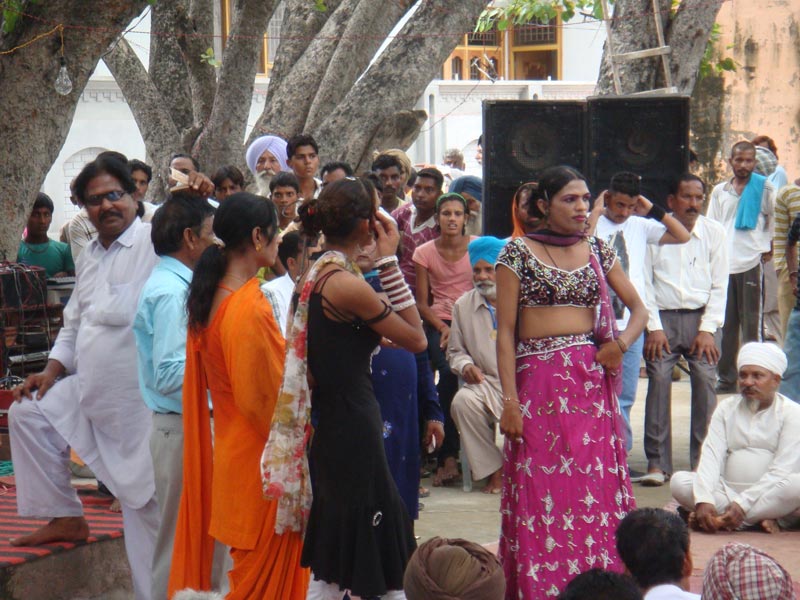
x,y
359,535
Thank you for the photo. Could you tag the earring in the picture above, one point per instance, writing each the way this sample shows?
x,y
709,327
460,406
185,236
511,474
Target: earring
x,y
258,247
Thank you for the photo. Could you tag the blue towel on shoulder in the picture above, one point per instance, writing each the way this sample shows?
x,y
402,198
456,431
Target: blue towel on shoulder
x,y
750,203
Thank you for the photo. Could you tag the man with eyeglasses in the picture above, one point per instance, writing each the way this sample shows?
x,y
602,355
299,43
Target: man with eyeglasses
x,y
88,398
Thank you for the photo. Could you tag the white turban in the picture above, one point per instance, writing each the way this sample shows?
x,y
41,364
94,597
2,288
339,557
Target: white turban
x,y
766,356
276,147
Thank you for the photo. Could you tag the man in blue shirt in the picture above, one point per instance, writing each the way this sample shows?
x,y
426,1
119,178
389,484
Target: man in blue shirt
x,y
181,231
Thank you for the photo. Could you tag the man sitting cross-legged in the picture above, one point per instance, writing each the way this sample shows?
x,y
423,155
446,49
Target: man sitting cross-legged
x,y
477,406
749,471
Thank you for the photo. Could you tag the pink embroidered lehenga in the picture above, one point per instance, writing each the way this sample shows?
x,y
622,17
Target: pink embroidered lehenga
x,y
565,483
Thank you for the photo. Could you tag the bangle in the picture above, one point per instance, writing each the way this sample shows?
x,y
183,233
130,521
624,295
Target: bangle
x,y
622,345
657,213
510,399
792,273
395,287
385,262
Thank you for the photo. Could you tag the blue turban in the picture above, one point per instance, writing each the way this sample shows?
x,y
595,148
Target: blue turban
x,y
470,184
485,248
276,147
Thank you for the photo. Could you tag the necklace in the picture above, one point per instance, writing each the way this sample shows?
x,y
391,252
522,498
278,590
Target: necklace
x,y
550,256
239,279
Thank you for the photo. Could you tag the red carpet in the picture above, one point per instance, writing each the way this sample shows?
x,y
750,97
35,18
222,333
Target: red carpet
x,y
103,525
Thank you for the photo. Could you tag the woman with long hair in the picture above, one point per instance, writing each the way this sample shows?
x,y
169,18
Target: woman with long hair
x,y
444,273
234,351
358,533
565,483
525,214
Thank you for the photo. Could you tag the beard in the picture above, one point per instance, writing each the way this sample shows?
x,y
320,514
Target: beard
x,y
487,289
263,179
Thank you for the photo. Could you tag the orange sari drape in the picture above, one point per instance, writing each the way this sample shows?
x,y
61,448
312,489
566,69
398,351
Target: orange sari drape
x,y
239,358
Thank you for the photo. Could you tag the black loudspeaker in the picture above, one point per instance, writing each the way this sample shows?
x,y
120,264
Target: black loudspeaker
x,y
521,138
646,135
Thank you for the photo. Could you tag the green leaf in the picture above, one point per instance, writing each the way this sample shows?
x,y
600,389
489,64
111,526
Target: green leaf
x,y
726,64
502,25
320,6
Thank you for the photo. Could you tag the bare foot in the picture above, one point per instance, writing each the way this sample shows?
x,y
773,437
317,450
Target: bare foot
x,y
495,483
447,474
60,529
115,506
770,526
691,521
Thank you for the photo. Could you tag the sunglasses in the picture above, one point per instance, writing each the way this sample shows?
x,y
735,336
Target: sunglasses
x,y
97,199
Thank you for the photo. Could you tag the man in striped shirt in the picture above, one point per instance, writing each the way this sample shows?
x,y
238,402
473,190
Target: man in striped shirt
x,y
787,206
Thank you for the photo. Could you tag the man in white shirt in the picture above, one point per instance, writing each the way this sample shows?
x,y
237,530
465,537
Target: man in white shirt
x,y
654,545
629,235
88,397
279,291
745,207
749,471
685,292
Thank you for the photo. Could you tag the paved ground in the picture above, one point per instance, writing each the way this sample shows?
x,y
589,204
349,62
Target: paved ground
x,y
450,512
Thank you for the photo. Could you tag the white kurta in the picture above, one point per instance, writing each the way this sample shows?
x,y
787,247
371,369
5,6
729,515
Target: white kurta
x,y
749,457
97,345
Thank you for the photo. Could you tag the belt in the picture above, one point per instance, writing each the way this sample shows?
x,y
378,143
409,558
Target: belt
x,y
682,311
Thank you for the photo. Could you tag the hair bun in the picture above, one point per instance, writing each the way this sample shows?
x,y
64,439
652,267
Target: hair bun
x,y
308,212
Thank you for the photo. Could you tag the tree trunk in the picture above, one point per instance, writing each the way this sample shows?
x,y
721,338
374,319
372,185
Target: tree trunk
x,y
159,131
220,143
688,37
301,23
35,118
166,68
397,131
353,53
285,111
347,131
633,28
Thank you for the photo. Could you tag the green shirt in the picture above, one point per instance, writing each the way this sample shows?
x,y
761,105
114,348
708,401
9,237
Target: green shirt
x,y
54,257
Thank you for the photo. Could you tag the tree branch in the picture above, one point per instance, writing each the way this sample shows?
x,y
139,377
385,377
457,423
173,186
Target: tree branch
x,y
160,134
688,36
220,143
198,24
167,69
285,114
353,53
377,93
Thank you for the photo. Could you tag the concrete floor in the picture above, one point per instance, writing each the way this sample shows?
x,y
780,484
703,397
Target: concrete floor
x,y
451,512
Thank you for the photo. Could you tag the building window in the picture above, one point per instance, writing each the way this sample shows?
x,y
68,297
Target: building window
x,y
474,72
535,33
485,38
456,68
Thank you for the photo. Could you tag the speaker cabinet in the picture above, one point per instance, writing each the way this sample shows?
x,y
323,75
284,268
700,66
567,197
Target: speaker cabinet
x,y
521,138
648,136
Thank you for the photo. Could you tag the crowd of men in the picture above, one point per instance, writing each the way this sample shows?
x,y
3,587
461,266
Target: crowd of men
x,y
705,279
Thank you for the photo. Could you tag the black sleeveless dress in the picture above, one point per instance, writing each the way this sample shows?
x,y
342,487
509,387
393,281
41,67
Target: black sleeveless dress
x,y
359,534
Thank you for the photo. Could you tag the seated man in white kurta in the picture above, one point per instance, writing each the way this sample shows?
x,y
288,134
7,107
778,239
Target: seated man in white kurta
x,y
88,395
749,471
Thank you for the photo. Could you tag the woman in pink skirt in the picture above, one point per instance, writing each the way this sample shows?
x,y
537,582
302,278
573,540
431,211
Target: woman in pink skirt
x,y
565,483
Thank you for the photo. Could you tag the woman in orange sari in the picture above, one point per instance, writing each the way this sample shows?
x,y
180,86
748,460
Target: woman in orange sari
x,y
235,350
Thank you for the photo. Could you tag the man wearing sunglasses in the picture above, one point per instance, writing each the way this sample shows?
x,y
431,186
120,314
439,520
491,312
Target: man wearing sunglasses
x,y
88,398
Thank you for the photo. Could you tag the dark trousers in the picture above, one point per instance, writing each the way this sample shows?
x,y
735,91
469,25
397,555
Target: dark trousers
x,y
446,388
680,329
742,321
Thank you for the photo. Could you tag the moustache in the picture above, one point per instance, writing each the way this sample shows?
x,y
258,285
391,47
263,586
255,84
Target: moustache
x,y
692,211
110,213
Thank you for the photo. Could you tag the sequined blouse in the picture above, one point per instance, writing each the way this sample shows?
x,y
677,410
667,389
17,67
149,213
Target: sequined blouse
x,y
544,285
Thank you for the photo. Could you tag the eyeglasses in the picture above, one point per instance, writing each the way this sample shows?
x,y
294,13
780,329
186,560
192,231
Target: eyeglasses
x,y
97,199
